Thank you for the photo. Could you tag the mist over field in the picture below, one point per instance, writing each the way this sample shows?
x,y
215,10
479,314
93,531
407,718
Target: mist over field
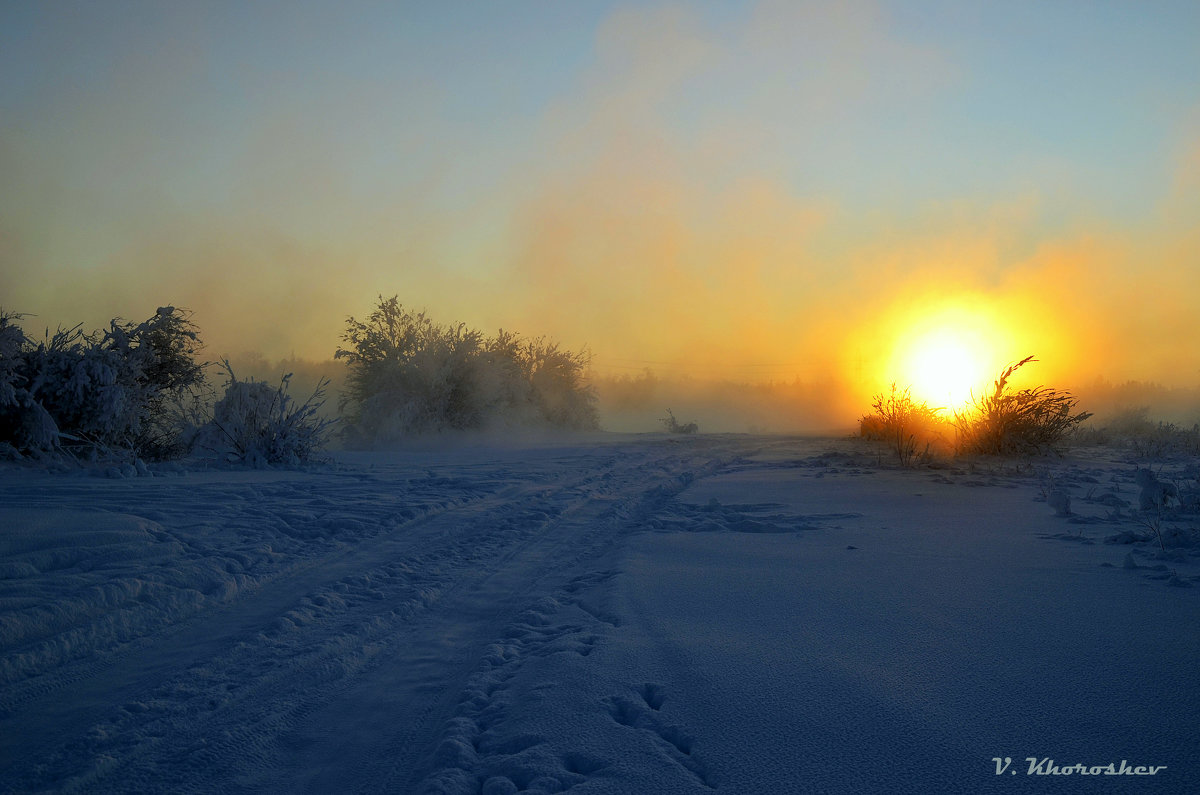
x,y
761,194
638,402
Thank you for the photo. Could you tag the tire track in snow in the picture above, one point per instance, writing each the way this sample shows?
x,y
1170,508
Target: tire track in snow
x,y
440,655
74,700
223,698
146,626
213,545
487,745
470,756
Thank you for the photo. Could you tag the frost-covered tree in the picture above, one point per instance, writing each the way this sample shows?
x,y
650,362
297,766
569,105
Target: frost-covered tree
x,y
162,355
558,385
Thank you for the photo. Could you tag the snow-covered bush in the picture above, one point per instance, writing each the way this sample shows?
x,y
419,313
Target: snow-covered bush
x,y
675,426
908,427
1154,494
408,375
105,390
257,424
164,350
1144,438
1154,441
24,424
12,343
1029,421
86,387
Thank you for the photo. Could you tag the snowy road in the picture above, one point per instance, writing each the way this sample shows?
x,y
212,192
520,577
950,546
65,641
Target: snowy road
x,y
624,615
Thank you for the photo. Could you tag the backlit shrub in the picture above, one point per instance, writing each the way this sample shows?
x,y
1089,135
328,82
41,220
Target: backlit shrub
x,y
910,428
1022,422
259,425
410,375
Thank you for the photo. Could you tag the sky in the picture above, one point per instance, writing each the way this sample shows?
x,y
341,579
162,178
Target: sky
x,y
757,191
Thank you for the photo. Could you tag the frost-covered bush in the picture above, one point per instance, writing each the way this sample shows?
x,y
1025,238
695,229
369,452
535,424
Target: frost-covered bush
x,y
105,390
1153,494
12,343
675,426
408,375
908,427
1150,441
1145,439
257,424
24,424
86,387
1028,421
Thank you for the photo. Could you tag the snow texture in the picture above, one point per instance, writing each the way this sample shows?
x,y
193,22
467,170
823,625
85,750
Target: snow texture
x,y
606,614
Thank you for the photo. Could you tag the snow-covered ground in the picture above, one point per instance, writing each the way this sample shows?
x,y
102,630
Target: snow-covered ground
x,y
622,614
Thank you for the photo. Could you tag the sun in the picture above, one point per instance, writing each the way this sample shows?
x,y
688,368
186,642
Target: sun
x,y
946,360
943,370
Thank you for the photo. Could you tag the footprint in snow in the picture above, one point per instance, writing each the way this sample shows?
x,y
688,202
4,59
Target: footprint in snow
x,y
643,714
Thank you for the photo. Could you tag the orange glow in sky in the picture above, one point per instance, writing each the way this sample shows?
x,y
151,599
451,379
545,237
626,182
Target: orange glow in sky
x,y
849,192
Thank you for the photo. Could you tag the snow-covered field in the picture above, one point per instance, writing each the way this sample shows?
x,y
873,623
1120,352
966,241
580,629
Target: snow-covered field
x,y
622,614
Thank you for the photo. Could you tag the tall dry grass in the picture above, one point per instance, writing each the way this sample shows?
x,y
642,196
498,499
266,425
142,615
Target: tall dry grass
x,y
1007,421
1027,421
911,429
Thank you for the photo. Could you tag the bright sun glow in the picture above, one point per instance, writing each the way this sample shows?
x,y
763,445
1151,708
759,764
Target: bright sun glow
x,y
946,359
943,370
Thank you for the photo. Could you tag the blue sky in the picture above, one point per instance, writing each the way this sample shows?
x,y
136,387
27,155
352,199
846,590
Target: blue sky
x,y
650,179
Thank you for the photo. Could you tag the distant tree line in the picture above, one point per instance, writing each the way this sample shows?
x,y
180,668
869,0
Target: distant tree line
x,y
409,374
